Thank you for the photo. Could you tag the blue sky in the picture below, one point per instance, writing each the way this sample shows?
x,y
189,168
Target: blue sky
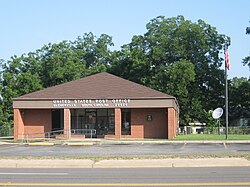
x,y
26,25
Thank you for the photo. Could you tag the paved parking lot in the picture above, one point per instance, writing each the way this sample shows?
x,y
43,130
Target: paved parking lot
x,y
124,149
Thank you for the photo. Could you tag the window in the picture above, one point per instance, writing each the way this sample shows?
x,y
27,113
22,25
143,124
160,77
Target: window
x,y
102,120
126,122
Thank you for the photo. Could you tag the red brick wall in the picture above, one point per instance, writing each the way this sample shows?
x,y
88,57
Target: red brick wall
x,y
137,131
37,121
67,122
142,128
118,123
18,124
172,123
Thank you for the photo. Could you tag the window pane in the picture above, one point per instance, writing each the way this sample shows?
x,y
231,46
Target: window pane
x,y
102,112
111,112
111,126
126,122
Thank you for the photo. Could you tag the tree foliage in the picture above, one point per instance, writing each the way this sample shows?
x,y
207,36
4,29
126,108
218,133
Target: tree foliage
x,y
167,44
239,94
51,65
246,60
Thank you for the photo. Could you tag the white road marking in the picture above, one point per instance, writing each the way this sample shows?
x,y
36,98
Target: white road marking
x,y
33,173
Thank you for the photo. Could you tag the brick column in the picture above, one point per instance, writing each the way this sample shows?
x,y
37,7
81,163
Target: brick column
x,y
171,123
18,124
176,123
67,123
177,120
118,123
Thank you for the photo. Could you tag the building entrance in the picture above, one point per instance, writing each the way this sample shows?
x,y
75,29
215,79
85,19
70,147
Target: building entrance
x,y
99,121
90,119
57,119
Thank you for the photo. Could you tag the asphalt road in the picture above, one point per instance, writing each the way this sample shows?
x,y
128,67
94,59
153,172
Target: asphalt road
x,y
124,149
219,176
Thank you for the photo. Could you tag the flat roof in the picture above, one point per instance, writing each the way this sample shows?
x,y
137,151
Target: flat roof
x,y
98,86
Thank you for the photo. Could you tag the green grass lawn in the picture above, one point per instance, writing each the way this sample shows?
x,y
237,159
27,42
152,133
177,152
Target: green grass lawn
x,y
212,137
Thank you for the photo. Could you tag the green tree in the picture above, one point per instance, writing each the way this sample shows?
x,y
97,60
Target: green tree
x,y
92,52
179,77
14,82
51,65
57,64
169,41
239,95
132,63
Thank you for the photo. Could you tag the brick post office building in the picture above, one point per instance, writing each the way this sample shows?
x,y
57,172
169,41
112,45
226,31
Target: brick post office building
x,y
100,105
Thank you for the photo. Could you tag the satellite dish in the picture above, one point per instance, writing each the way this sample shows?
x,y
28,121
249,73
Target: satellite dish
x,y
217,113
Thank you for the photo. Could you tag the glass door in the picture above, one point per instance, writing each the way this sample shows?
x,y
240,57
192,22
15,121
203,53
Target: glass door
x,y
90,119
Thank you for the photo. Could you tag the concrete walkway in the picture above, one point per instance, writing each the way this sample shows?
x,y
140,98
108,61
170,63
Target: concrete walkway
x,y
96,141
133,163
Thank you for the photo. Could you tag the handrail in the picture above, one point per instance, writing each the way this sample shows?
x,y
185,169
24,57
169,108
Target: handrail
x,y
90,132
50,134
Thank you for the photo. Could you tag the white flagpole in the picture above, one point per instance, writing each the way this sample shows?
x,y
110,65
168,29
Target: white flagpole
x,y
226,93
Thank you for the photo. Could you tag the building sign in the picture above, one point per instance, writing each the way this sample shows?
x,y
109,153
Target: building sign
x,y
90,103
